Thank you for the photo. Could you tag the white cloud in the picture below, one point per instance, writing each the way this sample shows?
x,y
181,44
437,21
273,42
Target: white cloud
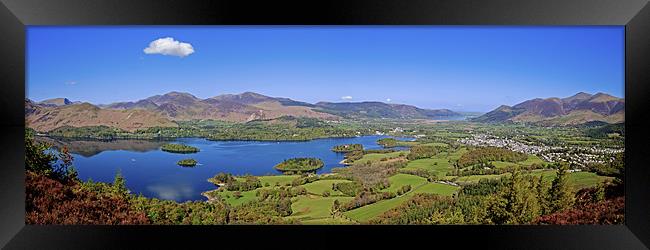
x,y
347,97
70,83
169,47
387,99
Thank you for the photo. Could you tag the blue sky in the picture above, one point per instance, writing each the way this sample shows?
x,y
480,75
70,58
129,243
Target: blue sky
x,y
462,68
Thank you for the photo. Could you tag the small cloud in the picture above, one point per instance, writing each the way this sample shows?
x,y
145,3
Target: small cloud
x,y
387,99
347,97
70,83
169,47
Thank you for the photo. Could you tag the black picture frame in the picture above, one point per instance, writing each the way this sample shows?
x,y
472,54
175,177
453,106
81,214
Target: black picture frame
x,y
15,15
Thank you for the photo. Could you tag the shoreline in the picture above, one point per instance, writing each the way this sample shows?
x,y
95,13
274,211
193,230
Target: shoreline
x,y
76,138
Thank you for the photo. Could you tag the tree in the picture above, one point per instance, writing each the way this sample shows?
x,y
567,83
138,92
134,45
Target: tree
x,y
516,202
119,183
56,163
35,157
542,195
619,180
560,195
335,208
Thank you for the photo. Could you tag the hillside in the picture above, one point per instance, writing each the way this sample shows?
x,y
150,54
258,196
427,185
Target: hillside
x,y
382,110
577,109
56,102
165,110
46,118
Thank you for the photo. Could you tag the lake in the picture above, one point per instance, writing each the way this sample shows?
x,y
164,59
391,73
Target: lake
x,y
154,173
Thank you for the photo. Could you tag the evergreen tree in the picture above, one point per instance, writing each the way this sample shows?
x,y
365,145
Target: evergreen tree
x,y
516,202
542,195
119,183
561,196
35,157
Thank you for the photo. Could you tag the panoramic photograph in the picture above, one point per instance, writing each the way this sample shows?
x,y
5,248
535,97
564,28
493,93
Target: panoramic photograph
x,y
325,125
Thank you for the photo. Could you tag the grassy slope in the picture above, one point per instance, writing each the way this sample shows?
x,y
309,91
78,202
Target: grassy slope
x,y
440,166
246,197
437,188
368,212
377,157
578,179
318,187
399,180
312,209
281,179
437,144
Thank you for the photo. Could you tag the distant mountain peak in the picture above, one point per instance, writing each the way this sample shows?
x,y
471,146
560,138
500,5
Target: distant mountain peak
x,y
177,93
603,97
166,109
579,108
249,93
56,101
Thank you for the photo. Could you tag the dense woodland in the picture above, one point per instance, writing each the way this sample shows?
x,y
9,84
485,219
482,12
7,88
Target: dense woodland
x,y
484,155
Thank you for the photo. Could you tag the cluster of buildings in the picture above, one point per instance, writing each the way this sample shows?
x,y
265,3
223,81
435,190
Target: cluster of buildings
x,y
485,140
572,154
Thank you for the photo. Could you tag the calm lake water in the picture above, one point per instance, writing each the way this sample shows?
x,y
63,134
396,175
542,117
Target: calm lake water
x,y
154,173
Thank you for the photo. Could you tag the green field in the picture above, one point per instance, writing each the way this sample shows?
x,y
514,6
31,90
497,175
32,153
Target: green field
x,y
439,166
376,157
503,164
476,178
368,212
437,188
531,159
577,180
281,179
318,187
312,209
435,144
457,154
399,180
229,197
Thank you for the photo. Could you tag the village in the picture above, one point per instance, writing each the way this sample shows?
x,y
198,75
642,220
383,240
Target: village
x,y
579,156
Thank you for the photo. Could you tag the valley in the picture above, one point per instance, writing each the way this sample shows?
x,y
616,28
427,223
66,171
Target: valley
x,y
366,168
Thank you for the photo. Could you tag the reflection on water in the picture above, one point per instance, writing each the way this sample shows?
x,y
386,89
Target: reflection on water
x,y
89,148
172,191
153,173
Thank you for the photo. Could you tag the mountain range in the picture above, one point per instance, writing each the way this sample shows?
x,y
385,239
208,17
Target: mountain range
x,y
577,109
163,110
